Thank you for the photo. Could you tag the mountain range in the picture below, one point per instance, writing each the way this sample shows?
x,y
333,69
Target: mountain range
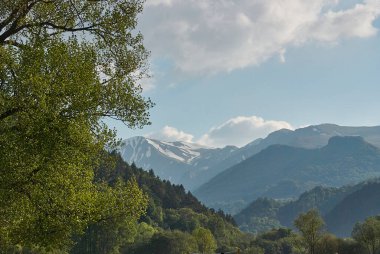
x,y
192,165
179,162
275,178
281,171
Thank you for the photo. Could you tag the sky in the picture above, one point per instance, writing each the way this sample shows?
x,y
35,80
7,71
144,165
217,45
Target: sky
x,y
226,72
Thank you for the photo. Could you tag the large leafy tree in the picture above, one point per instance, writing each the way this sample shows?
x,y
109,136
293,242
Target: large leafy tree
x,y
205,240
310,224
368,234
65,66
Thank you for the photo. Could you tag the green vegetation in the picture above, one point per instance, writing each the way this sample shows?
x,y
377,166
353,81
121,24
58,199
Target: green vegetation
x,y
283,172
356,206
260,216
65,65
368,234
205,239
341,208
310,225
174,222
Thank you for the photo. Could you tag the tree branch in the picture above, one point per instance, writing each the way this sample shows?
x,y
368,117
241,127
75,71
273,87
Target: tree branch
x,y
14,43
9,113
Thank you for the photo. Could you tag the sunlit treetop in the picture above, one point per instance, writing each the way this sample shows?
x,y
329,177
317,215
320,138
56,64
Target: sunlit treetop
x,y
107,27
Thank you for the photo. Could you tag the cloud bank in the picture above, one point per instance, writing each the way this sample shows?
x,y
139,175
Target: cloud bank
x,y
224,35
237,131
170,134
241,130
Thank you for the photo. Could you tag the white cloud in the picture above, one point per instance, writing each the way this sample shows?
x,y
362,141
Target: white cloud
x,y
223,35
148,84
159,2
237,131
355,22
241,130
170,134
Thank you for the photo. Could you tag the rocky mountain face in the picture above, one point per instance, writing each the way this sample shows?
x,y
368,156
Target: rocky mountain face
x,y
180,162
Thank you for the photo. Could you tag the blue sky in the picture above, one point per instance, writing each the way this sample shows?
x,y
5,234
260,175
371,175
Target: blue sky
x,y
231,74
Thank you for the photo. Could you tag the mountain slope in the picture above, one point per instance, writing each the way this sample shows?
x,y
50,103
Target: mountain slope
x,y
193,165
355,207
170,208
315,136
341,208
179,162
344,160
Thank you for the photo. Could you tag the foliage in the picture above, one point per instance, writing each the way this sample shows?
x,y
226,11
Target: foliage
x,y
329,244
254,250
259,216
321,198
340,207
168,242
170,210
65,65
310,225
368,234
277,241
356,206
205,240
123,206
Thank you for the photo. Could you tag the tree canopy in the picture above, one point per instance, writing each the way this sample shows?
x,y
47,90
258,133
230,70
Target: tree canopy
x,y
368,234
310,224
65,67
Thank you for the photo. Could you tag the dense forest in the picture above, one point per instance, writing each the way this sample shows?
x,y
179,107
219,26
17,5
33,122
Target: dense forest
x,y
176,222
66,67
341,208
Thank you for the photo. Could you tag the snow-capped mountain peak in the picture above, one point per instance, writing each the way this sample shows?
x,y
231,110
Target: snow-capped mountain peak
x,y
180,151
172,160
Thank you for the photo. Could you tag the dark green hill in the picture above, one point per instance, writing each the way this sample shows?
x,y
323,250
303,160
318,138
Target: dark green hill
x,y
264,213
355,207
260,216
311,137
321,198
343,161
340,207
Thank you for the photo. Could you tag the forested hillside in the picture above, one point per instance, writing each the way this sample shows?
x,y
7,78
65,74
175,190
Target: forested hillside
x,y
355,207
173,219
285,172
340,207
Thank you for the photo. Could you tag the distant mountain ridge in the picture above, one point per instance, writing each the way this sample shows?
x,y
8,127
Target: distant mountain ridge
x,y
193,165
314,136
282,171
179,162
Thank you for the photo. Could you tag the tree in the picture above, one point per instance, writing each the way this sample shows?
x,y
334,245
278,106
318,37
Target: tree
x,y
117,226
172,242
368,234
329,244
254,250
65,67
205,240
310,225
